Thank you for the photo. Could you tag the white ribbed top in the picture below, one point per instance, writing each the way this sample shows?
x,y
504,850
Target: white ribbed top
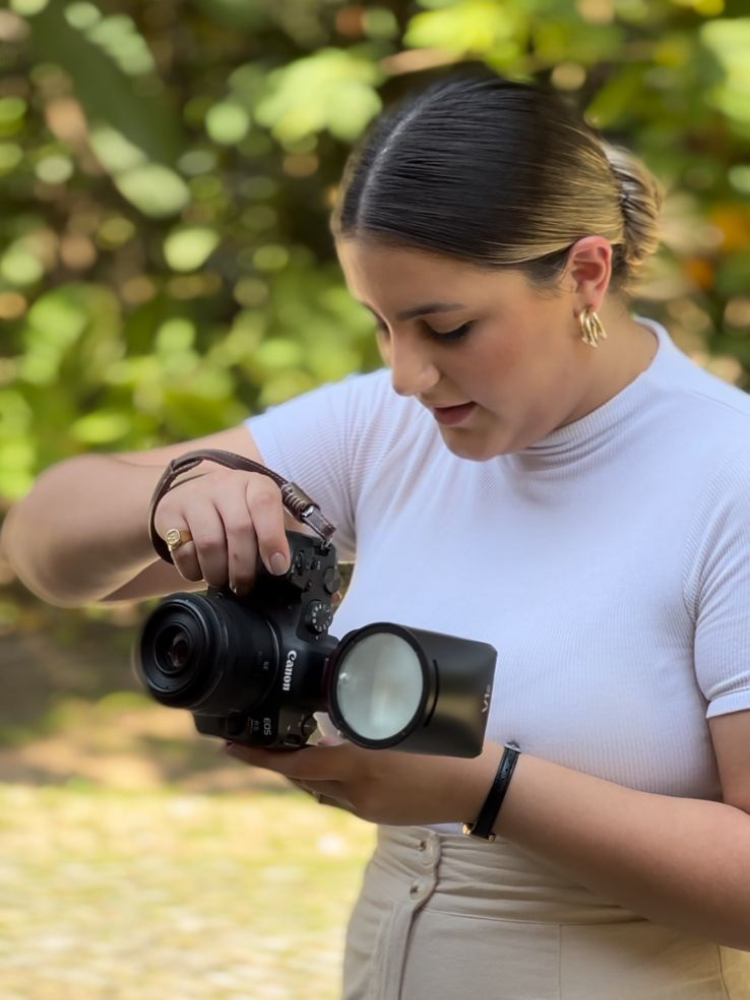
x,y
609,564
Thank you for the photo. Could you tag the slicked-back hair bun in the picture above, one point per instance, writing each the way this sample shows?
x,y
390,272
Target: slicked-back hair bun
x,y
641,199
499,174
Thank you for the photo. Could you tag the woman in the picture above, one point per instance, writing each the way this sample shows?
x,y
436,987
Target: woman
x,y
550,475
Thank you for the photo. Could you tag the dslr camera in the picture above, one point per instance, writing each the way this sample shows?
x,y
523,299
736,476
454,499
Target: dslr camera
x,y
256,669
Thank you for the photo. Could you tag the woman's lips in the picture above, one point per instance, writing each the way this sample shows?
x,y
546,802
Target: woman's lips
x,y
452,415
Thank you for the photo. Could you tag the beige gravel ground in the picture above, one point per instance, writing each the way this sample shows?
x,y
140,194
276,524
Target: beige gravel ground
x,y
159,894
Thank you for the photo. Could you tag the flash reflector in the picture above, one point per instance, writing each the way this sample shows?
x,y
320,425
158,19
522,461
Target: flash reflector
x,y
392,685
380,684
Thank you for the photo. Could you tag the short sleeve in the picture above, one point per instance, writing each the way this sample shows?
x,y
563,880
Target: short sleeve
x,y
717,586
320,441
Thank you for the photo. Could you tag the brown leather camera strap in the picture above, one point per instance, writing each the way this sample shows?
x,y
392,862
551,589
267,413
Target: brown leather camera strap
x,y
296,501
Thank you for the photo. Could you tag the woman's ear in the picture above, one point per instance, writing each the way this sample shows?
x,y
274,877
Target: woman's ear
x,y
589,271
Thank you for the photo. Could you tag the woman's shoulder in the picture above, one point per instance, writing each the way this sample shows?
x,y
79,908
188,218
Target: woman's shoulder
x,y
702,381
360,412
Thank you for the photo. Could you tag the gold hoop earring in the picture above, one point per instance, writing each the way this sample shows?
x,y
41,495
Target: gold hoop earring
x,y
592,329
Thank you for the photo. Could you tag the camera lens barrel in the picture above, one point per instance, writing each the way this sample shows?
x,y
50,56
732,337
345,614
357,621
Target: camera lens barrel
x,y
207,654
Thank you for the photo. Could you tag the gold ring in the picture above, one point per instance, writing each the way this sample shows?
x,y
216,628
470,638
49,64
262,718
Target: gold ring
x,y
175,538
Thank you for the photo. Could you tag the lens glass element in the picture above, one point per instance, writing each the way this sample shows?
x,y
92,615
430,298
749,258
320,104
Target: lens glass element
x,y
173,649
379,686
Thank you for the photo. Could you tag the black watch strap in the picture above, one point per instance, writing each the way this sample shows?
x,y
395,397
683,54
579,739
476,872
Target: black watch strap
x,y
488,813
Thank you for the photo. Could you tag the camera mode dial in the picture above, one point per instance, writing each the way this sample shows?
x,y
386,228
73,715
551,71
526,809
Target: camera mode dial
x,y
318,617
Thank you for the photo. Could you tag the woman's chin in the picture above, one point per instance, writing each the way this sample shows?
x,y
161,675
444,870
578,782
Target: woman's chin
x,y
473,445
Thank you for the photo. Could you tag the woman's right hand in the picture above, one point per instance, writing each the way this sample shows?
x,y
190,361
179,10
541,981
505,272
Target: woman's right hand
x,y
234,517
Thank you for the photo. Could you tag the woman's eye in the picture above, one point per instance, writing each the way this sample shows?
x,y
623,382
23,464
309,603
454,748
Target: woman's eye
x,y
451,335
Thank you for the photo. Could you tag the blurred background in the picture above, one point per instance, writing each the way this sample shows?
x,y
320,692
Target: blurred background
x,y
167,168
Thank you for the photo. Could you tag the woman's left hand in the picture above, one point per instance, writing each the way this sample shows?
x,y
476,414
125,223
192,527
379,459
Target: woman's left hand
x,y
384,786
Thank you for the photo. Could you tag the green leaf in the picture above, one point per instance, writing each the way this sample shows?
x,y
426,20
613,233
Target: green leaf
x,y
227,123
569,40
332,89
249,14
175,336
277,354
103,427
479,26
12,114
189,248
17,467
57,319
103,88
10,156
729,42
20,266
733,276
155,190
16,416
615,103
114,150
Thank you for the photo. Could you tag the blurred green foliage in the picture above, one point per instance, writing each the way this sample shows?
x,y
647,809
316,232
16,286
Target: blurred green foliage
x,y
167,168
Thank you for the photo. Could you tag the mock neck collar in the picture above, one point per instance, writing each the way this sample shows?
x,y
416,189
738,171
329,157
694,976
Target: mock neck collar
x,y
597,429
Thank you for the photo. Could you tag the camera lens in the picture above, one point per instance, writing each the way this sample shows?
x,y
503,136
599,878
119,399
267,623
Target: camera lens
x,y
176,652
173,650
207,653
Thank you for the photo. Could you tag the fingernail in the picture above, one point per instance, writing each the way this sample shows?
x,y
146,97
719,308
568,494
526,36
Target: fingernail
x,y
278,564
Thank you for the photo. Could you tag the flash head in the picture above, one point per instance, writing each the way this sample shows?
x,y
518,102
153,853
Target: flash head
x,y
391,685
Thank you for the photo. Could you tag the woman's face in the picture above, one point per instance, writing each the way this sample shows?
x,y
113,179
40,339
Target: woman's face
x,y
500,364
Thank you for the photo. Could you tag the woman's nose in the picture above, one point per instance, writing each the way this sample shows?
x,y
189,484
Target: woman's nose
x,y
412,370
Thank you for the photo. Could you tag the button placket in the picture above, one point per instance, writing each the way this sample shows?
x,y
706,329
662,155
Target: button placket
x,y
421,861
428,852
418,890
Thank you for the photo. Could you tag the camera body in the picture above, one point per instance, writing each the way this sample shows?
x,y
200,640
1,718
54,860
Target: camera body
x,y
250,669
256,669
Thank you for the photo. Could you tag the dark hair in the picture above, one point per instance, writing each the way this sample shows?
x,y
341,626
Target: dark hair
x,y
499,174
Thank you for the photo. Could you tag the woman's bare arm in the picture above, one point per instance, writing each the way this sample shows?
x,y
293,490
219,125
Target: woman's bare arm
x,y
81,535
680,862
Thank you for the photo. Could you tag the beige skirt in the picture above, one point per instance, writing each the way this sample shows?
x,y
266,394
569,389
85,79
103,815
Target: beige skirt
x,y
447,917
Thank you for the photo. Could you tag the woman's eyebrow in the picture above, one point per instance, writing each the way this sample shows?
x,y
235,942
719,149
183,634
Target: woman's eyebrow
x,y
422,310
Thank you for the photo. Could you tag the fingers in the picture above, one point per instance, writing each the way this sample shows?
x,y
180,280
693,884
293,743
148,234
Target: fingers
x,y
233,517
184,556
267,513
185,559
313,764
240,542
204,557
331,775
209,544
